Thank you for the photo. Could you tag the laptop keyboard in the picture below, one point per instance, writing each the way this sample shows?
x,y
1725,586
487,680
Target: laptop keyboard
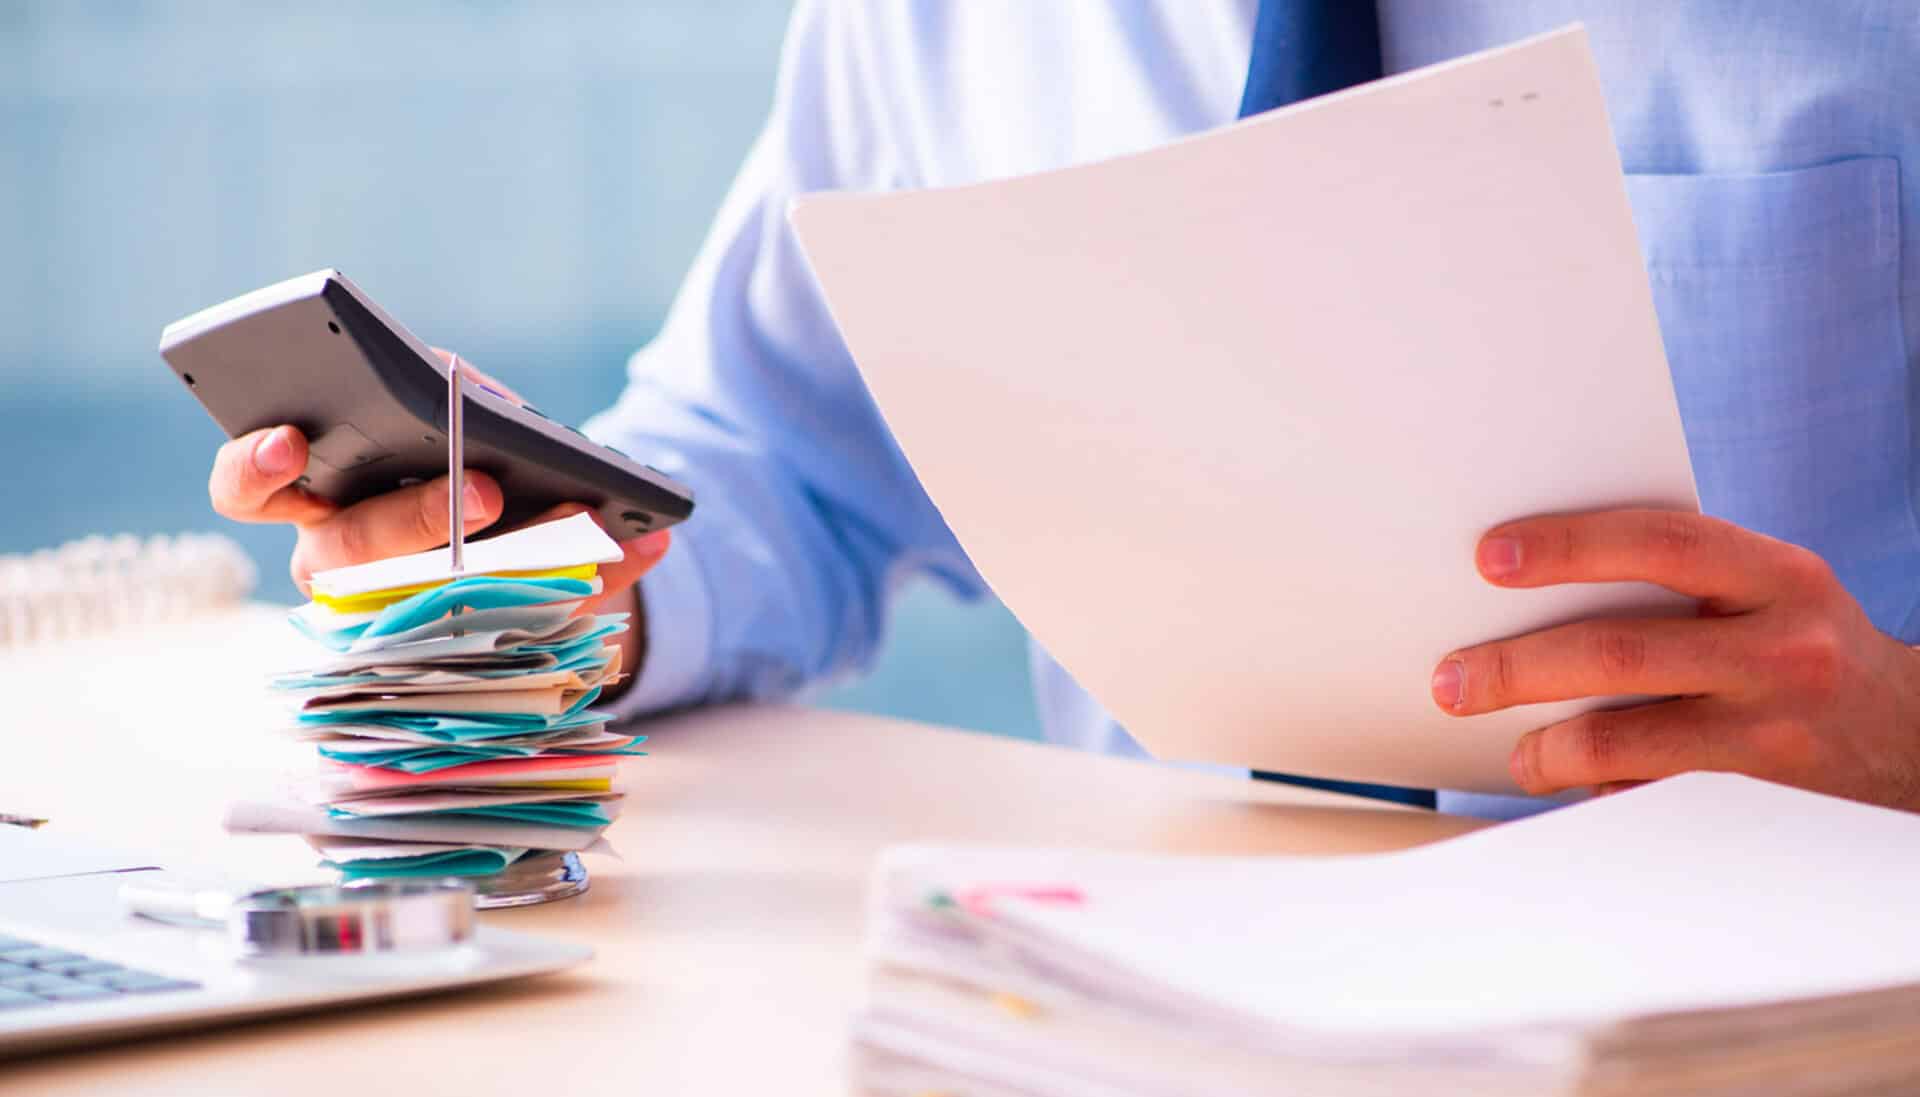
x,y
34,975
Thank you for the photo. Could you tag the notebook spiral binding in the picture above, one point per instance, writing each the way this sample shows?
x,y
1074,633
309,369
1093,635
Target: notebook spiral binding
x,y
100,583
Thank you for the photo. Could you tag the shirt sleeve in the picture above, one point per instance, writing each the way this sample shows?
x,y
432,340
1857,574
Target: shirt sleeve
x,y
806,513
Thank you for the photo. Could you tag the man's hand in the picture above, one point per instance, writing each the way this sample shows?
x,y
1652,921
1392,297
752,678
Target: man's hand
x,y
253,481
1780,676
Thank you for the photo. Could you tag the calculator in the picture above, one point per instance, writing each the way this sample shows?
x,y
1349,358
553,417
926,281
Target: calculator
x,y
317,353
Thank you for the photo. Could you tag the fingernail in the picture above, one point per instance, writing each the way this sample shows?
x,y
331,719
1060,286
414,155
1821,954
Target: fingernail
x,y
1499,557
273,454
470,495
1520,762
1450,683
655,542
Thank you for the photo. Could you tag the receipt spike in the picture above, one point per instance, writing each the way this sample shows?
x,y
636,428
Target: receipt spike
x,y
456,467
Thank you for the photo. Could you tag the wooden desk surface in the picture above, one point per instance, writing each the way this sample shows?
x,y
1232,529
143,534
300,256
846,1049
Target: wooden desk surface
x,y
728,937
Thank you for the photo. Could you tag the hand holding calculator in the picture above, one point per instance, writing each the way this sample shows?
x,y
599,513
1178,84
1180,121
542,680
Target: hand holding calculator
x,y
317,354
340,424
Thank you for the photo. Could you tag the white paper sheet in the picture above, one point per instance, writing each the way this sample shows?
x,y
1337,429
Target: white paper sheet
x,y
566,543
297,818
439,683
521,702
341,850
1223,421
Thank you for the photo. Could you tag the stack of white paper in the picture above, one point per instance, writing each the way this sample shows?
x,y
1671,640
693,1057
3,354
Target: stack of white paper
x,y
1710,934
453,715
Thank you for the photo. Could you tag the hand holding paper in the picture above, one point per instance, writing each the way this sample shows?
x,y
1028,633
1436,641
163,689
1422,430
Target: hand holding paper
x,y
1781,676
1254,396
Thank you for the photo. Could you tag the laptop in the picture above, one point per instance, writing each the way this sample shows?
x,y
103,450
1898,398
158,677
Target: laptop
x,y
76,968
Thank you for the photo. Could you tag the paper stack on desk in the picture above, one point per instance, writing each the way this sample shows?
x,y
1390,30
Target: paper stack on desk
x,y
453,716
1709,934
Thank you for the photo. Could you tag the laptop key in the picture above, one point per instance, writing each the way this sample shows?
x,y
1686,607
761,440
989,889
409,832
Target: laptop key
x,y
16,999
41,957
27,982
41,984
129,981
35,975
78,992
81,967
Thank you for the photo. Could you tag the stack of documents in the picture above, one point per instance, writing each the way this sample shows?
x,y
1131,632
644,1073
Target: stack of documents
x,y
1709,934
453,716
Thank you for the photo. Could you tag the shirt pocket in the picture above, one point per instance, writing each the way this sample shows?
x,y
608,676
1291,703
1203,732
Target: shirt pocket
x,y
1778,297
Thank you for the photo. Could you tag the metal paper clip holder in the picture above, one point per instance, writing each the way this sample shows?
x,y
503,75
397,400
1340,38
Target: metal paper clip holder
x,y
536,877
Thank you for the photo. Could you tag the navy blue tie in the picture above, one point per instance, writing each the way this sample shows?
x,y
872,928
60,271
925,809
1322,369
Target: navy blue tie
x,y
1304,48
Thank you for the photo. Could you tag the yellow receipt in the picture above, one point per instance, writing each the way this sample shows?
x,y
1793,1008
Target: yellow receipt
x,y
374,600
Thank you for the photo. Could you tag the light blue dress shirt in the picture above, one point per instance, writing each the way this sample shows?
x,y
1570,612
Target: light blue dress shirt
x,y
1773,158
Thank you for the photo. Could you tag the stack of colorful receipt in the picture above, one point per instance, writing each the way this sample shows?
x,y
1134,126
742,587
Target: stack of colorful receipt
x,y
453,717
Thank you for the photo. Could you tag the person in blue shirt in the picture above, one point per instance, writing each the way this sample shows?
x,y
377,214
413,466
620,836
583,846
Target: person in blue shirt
x,y
1773,157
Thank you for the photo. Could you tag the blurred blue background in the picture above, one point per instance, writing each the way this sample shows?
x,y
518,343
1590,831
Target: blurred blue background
x,y
524,183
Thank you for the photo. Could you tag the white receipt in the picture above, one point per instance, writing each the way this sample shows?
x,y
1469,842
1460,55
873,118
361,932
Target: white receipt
x,y
551,545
